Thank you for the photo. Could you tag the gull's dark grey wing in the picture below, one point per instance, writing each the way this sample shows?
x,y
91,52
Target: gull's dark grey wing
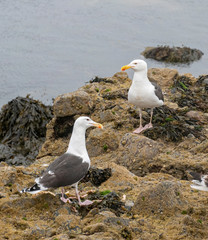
x,y
65,170
158,91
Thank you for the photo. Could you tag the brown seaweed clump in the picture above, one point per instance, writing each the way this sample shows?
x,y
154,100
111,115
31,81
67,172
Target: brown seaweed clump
x,y
23,128
173,55
97,176
192,95
172,125
106,200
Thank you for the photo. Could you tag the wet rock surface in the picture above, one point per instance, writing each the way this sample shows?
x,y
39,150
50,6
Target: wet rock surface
x,y
173,54
140,184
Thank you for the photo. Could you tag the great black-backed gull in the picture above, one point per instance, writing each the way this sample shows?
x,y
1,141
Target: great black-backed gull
x,y
71,167
200,181
143,93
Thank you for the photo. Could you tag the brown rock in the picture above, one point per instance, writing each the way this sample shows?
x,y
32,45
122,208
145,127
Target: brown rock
x,y
201,148
106,116
164,198
100,142
78,102
97,227
163,76
121,77
137,151
199,116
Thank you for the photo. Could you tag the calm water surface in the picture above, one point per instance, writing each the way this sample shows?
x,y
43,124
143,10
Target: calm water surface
x,y
50,47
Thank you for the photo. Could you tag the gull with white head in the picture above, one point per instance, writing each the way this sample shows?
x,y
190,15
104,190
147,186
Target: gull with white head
x,y
143,93
69,168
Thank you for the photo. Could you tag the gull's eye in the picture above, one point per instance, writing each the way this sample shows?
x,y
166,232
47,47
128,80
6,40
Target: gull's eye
x,y
88,119
135,63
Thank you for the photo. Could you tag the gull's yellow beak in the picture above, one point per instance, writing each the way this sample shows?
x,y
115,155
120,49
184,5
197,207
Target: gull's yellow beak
x,y
125,67
98,125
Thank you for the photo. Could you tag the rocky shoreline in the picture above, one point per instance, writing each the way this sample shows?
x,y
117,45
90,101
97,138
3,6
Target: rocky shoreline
x,y
146,194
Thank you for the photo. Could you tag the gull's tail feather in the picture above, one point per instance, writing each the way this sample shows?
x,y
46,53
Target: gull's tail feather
x,y
34,189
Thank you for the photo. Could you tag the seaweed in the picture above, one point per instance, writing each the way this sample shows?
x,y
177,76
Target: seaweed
x,y
63,127
194,96
172,125
173,55
97,176
23,126
99,79
109,201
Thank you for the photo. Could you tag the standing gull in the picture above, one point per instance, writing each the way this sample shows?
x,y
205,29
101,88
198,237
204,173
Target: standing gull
x,y
143,93
200,181
71,167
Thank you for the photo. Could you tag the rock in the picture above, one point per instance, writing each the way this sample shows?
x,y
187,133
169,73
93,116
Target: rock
x,y
100,142
106,116
199,116
59,237
69,104
163,76
122,180
164,198
137,151
121,93
173,55
201,148
70,223
121,77
9,175
97,227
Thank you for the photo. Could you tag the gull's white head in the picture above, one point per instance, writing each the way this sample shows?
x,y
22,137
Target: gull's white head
x,y
86,122
137,65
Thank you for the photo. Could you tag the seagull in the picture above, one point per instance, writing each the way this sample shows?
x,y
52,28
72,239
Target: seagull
x,y
143,93
69,168
200,181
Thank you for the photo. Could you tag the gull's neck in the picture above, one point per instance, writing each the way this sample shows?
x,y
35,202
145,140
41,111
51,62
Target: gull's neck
x,y
77,144
140,76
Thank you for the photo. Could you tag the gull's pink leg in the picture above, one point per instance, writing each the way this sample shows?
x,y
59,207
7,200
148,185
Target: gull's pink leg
x,y
63,199
86,202
149,125
140,129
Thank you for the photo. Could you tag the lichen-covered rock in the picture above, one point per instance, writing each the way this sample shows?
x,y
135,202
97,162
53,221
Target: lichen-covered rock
x,y
100,142
164,198
136,151
69,104
163,76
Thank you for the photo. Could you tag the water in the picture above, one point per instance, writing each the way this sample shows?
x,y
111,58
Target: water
x,y
50,47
